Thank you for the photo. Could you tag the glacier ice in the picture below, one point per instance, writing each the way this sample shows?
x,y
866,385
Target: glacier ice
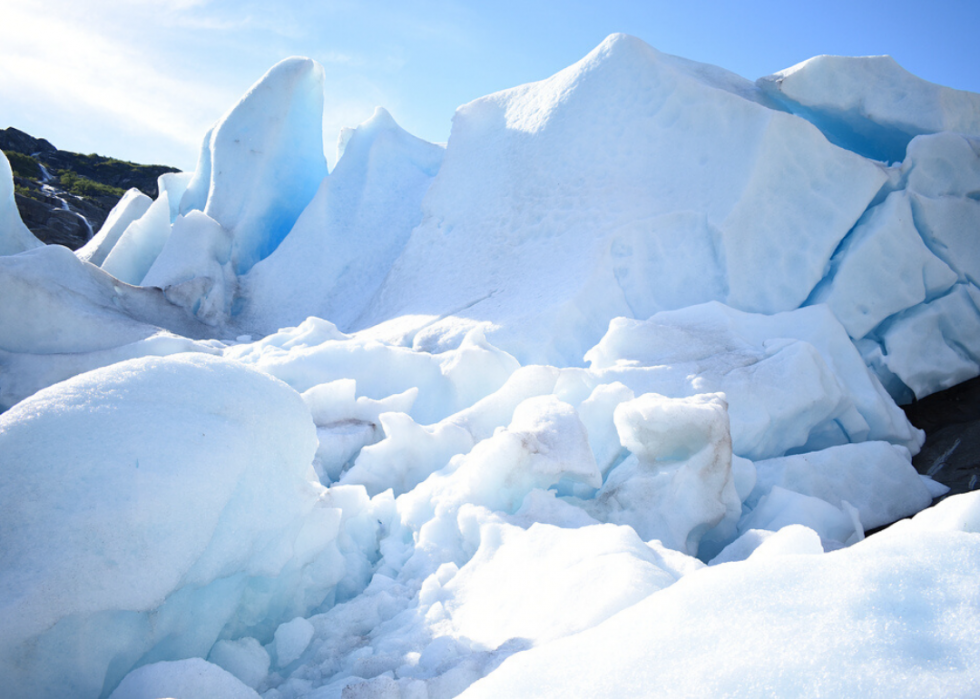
x,y
862,292
548,194
134,253
14,235
679,483
833,398
244,658
599,397
61,316
936,345
194,268
131,207
870,104
189,679
349,235
291,639
877,478
266,159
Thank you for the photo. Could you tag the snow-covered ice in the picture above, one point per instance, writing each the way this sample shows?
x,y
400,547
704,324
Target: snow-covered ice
x,y
560,202
184,512
895,615
599,399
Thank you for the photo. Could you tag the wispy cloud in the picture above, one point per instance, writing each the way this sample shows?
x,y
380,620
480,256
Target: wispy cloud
x,y
99,80
150,76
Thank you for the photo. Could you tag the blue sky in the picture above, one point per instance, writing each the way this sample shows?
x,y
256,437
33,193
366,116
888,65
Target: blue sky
x,y
144,79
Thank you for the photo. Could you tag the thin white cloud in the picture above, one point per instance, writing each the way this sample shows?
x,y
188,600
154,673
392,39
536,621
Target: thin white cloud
x,y
149,77
99,79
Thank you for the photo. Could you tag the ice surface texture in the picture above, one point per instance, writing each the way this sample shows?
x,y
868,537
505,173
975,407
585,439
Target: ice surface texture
x,y
870,104
734,630
599,399
629,183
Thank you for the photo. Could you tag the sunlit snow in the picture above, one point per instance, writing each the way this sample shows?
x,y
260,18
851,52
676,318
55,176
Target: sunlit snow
x,y
597,400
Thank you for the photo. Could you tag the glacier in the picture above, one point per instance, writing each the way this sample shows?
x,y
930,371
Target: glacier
x,y
602,397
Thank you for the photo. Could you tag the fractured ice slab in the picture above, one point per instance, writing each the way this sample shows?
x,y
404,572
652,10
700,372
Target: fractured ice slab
x,y
544,443
315,352
266,160
679,484
862,290
875,477
194,268
780,508
936,345
870,104
793,381
134,253
343,244
61,316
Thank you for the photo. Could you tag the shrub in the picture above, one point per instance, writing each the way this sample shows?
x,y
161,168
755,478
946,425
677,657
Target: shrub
x,y
23,165
84,187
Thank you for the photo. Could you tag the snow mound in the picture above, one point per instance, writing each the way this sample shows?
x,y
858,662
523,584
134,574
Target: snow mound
x,y
187,679
731,630
547,582
185,513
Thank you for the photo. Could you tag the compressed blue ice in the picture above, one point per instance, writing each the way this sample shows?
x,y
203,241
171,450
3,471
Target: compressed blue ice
x,y
598,399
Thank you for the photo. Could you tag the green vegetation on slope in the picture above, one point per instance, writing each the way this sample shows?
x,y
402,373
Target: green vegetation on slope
x,y
84,187
25,166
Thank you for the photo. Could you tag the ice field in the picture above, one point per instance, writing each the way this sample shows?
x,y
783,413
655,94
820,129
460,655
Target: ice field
x,y
598,399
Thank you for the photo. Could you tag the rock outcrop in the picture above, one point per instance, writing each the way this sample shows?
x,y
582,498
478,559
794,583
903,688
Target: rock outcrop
x,y
65,197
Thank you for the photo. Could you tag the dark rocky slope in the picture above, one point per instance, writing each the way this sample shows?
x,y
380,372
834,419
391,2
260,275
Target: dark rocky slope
x,y
64,197
951,419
